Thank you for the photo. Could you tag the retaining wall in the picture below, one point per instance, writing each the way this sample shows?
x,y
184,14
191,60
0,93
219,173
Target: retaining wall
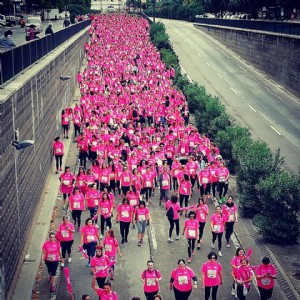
x,y
275,54
31,103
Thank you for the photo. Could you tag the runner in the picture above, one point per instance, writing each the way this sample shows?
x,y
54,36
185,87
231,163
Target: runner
x,y
201,210
173,207
58,152
142,219
150,278
76,206
67,180
217,227
106,293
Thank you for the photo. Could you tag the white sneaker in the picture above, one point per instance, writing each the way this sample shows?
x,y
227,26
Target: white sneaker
x,y
213,245
62,265
170,240
220,253
233,292
101,236
177,237
69,259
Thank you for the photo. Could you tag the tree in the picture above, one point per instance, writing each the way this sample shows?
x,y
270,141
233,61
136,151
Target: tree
x,y
278,220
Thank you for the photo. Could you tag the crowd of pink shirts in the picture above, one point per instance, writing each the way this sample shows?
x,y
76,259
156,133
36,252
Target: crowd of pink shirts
x,y
134,123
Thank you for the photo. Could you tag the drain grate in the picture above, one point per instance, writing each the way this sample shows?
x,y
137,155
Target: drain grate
x,y
265,250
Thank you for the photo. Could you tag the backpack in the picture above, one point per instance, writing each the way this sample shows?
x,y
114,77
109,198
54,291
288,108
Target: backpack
x,y
170,213
154,271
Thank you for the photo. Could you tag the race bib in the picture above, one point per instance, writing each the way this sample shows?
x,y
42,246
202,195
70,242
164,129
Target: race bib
x,y
108,248
204,180
183,279
165,183
142,217
81,182
192,233
104,210
222,179
58,150
176,172
182,150
148,183
231,218
217,228
104,178
211,273
266,281
150,282
126,179
90,238
65,233
202,216
66,182
96,202
51,257
76,204
133,202
125,214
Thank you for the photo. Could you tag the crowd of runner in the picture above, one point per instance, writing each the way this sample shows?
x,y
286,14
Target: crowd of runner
x,y
134,138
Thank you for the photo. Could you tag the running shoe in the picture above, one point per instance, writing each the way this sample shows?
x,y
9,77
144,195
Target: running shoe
x,y
170,240
142,241
220,253
139,243
228,245
69,259
213,245
177,237
193,252
123,241
62,265
198,246
189,260
126,241
60,169
78,229
233,292
101,236
64,207
88,264
201,241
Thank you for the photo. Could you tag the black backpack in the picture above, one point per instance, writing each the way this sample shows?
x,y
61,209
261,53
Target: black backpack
x,y
170,213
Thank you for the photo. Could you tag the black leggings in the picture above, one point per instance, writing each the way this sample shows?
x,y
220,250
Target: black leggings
x,y
93,211
201,230
265,294
148,192
222,188
179,295
150,296
90,249
76,129
82,159
191,246
124,229
205,189
58,160
171,221
240,292
102,221
100,281
214,237
213,292
66,247
228,230
213,188
175,183
76,215
124,189
185,198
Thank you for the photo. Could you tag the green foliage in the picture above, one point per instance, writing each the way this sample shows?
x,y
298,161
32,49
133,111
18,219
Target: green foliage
x,y
279,196
155,28
161,40
169,57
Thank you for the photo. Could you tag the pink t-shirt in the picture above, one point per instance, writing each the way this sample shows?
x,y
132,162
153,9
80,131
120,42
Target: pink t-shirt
x,y
243,273
110,246
183,278
125,212
107,296
76,201
176,208
185,187
229,213
105,208
52,250
201,212
266,282
141,214
133,198
89,234
211,272
151,285
58,148
65,232
217,222
100,263
191,228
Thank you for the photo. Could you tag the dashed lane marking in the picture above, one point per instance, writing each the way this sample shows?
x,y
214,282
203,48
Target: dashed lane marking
x,y
234,90
252,108
275,130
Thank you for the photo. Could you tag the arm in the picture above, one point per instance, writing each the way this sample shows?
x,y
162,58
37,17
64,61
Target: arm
x,y
184,228
94,287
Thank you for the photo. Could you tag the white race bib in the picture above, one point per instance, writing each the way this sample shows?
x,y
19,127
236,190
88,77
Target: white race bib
x,y
165,183
125,214
104,210
108,248
183,279
192,233
231,218
66,182
217,228
150,282
142,217
211,273
65,233
90,238
76,204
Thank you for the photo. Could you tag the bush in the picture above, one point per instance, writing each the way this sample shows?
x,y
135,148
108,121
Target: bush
x,y
161,41
156,28
279,196
169,58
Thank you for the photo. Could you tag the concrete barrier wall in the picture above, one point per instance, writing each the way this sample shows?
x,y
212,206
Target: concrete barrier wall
x,y
31,103
277,55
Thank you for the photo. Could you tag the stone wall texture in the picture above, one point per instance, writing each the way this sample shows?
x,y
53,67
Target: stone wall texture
x,y
276,55
33,105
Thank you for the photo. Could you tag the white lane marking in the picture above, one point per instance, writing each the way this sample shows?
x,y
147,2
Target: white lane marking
x,y
199,55
214,68
252,108
208,64
183,70
275,130
234,90
219,75
153,238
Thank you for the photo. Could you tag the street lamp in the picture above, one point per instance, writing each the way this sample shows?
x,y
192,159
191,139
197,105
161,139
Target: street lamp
x,y
153,10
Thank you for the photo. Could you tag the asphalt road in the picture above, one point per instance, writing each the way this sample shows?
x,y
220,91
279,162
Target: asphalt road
x,y
19,33
252,99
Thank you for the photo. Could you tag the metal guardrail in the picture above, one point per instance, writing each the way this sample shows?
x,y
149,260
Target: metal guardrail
x,y
290,28
16,60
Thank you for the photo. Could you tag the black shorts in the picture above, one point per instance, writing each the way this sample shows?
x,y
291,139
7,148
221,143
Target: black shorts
x,y
52,267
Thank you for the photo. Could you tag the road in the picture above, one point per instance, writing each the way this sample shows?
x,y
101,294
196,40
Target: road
x,y
19,33
254,101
